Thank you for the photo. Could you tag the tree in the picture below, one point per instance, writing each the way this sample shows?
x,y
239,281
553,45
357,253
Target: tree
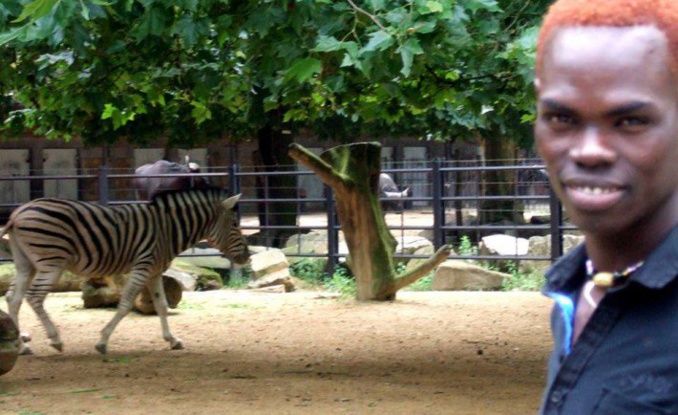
x,y
352,171
197,70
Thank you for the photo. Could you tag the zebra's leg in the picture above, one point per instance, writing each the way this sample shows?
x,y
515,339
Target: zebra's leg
x,y
25,271
133,287
157,289
41,286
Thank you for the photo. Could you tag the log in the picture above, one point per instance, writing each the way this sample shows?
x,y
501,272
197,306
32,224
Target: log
x,y
173,292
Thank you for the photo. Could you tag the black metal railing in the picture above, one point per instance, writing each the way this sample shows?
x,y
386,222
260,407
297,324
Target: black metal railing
x,y
452,189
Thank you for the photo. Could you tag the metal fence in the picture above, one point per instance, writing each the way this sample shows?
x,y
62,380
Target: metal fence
x,y
450,201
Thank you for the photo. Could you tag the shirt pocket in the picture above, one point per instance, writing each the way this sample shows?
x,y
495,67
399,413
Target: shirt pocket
x,y
616,403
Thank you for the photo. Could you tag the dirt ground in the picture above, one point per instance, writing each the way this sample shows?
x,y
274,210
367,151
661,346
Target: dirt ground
x,y
296,353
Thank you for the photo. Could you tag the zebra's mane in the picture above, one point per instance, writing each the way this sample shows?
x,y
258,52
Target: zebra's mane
x,y
163,196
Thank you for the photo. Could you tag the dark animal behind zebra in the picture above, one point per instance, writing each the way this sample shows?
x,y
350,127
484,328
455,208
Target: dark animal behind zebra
x,y
149,187
48,236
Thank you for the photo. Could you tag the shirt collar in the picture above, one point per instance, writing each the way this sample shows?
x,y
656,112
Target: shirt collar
x,y
660,268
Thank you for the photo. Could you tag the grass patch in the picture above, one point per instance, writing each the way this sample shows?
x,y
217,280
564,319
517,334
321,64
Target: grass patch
x,y
519,281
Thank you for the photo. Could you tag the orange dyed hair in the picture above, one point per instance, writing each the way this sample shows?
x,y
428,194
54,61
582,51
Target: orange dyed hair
x,y
618,13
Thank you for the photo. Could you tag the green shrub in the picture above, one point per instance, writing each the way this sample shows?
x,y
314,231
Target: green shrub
x,y
311,270
343,282
532,281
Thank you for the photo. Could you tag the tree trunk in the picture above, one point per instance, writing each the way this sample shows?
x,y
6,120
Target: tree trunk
x,y
501,183
352,171
272,156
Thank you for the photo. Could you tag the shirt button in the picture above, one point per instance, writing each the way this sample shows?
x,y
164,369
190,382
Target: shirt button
x,y
557,397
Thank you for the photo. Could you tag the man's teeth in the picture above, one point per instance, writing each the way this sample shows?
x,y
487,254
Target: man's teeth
x,y
595,190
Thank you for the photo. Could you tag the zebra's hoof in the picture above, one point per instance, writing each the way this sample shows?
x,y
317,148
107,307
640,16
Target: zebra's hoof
x,y
25,350
59,346
25,337
177,345
101,348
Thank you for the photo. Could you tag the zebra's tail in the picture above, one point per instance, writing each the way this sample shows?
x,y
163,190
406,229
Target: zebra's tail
x,y
4,231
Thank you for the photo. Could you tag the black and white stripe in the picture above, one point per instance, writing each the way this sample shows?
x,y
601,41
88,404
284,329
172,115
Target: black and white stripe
x,y
48,236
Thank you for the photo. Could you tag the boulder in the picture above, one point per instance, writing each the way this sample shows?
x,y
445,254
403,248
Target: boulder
x,y
503,245
541,246
204,279
270,268
207,258
414,245
457,275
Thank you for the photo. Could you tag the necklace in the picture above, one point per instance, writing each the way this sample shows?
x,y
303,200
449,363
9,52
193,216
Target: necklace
x,y
610,279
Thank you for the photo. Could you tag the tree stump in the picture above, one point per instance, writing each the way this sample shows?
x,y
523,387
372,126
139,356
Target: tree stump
x,y
9,343
352,171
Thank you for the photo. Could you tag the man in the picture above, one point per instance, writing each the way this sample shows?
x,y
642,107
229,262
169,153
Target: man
x,y
607,129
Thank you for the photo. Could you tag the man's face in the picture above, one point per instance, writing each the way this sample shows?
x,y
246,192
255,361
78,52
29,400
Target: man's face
x,y
607,127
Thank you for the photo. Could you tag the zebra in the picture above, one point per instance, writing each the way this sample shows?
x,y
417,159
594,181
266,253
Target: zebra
x,y
49,235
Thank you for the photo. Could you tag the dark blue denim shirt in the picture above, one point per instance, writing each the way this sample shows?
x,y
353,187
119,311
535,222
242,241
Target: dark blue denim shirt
x,y
626,359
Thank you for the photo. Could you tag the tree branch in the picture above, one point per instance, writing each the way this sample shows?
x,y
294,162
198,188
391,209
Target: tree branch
x,y
423,268
319,166
371,16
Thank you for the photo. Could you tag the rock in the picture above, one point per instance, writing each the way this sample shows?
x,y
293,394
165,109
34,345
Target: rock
x,y
270,268
272,289
209,258
541,246
414,245
9,343
205,279
503,245
454,275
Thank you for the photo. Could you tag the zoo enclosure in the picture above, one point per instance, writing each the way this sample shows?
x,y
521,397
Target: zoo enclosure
x,y
449,199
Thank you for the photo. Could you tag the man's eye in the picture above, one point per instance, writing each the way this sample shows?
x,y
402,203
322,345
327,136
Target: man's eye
x,y
559,119
632,122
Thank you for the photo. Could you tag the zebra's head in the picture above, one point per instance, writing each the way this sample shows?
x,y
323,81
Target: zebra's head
x,y
227,236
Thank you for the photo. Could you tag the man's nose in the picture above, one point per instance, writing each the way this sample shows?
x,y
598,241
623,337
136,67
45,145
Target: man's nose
x,y
593,149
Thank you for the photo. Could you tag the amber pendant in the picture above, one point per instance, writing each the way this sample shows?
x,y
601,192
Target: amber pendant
x,y
604,279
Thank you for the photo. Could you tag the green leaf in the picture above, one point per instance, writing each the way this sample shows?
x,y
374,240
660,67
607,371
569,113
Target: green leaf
x,y
36,9
379,40
304,69
327,44
109,111
489,5
432,7
200,112
407,52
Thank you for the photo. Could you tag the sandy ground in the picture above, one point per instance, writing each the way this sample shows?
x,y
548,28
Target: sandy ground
x,y
296,353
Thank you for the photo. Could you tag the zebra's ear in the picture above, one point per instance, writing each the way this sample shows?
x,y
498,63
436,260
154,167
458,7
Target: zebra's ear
x,y
231,201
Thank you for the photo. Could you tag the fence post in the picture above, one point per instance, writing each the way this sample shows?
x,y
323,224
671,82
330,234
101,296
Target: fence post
x,y
332,234
438,205
233,179
556,226
103,185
